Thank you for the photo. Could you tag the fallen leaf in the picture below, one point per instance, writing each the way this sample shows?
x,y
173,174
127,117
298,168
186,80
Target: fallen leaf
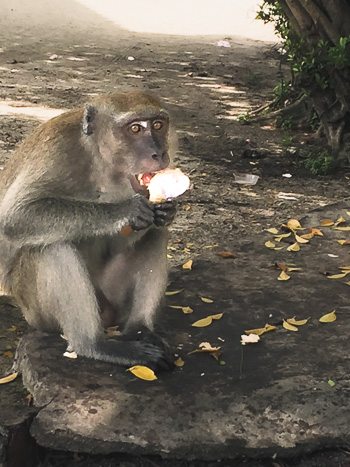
x,y
343,242
9,378
272,231
185,309
174,292
327,223
328,318
289,327
294,247
251,339
344,268
205,347
300,239
338,276
12,329
283,276
347,283
188,265
270,245
342,229
294,224
286,235
293,269
294,322
143,372
201,323
315,231
187,207
211,247
179,362
260,331
206,300
307,236
331,383
226,254
339,221
281,266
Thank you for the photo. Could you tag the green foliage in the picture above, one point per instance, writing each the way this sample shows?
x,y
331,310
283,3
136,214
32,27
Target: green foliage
x,y
314,66
318,161
281,92
244,119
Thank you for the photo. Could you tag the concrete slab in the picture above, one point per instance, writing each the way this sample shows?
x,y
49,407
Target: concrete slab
x,y
265,398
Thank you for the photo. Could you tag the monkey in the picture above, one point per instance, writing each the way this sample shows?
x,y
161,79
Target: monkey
x,y
65,195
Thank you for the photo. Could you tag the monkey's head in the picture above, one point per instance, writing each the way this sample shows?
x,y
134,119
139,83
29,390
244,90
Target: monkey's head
x,y
130,132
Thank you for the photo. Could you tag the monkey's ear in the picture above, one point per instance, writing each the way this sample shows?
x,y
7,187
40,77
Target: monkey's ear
x,y
89,119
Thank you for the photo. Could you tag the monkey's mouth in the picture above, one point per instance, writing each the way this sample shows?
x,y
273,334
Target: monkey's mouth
x,y
140,182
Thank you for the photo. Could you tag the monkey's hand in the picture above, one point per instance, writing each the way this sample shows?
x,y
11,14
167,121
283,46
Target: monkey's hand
x,y
164,213
142,214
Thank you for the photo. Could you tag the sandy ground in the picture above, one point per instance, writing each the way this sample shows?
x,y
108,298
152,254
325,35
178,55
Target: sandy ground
x,y
55,55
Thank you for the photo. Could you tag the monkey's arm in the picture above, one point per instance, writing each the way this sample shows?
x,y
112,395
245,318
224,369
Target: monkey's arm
x,y
48,219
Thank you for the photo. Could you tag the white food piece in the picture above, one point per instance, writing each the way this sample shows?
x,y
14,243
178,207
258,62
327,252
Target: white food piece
x,y
168,184
251,339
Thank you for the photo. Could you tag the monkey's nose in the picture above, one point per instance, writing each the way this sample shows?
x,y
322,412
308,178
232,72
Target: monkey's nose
x,y
158,157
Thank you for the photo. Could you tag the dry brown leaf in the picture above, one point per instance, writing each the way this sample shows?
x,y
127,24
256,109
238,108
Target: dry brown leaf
x,y
300,239
328,318
179,362
341,220
206,300
226,254
188,265
315,231
307,236
338,276
294,247
342,229
283,276
211,247
294,224
142,372
327,222
187,207
8,354
260,331
289,327
281,266
174,292
343,242
294,322
9,378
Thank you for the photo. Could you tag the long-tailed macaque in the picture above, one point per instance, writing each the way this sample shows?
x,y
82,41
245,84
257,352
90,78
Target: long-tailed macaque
x,y
65,196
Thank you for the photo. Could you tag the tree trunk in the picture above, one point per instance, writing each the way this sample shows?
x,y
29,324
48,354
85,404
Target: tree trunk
x,y
327,20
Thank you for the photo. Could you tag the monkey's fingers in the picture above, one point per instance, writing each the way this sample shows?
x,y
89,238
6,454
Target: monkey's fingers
x,y
164,213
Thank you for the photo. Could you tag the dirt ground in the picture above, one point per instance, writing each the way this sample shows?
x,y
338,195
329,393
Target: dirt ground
x,y
62,64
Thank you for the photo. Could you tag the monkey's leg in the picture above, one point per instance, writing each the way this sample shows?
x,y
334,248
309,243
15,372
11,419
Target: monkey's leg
x,y
64,298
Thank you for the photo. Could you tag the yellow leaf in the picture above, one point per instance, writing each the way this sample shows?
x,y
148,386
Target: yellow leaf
x,y
294,224
270,245
293,269
339,221
328,318
300,239
12,329
294,322
307,236
206,300
206,321
315,231
283,276
187,207
348,213
327,223
278,248
179,362
345,268
8,354
343,242
338,276
174,292
286,235
9,378
187,265
347,283
143,372
211,247
342,229
260,331
294,247
289,327
187,310
272,231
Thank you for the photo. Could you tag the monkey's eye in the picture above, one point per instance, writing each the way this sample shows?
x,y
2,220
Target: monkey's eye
x,y
157,125
135,128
